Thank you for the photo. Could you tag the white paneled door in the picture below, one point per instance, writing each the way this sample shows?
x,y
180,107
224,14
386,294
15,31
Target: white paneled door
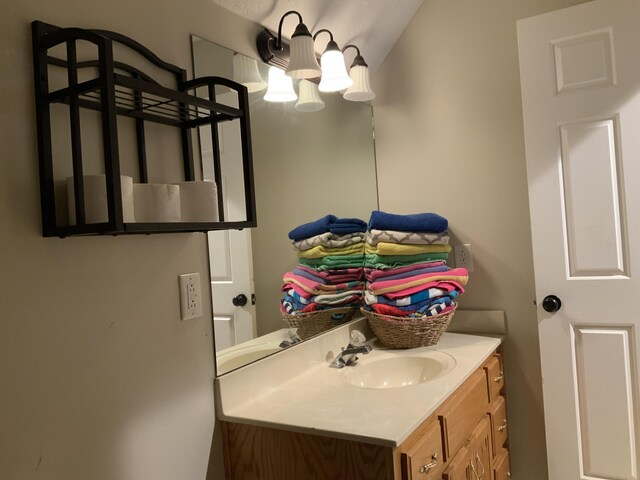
x,y
580,75
230,252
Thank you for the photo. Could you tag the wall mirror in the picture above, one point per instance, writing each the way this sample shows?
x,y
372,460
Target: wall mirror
x,y
306,165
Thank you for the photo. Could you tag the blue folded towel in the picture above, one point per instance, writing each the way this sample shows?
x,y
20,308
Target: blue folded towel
x,y
328,223
418,222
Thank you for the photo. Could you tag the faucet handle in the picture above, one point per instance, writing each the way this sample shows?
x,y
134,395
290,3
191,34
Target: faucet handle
x,y
357,338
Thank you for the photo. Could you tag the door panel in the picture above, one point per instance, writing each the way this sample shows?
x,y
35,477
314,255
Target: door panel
x,y
581,106
607,424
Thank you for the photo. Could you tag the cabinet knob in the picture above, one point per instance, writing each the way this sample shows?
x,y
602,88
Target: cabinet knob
x,y
431,465
551,303
239,300
499,378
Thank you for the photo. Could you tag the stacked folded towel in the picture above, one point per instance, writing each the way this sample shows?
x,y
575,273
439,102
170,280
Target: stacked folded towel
x,y
330,271
405,268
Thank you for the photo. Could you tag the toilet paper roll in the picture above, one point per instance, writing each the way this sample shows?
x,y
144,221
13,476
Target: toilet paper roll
x,y
156,202
199,201
95,199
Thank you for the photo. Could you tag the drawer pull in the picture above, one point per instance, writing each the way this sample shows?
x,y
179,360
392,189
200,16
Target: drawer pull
x,y
481,465
429,466
503,427
499,378
474,468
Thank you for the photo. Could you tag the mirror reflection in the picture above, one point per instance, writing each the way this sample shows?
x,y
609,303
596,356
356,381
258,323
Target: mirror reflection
x,y
307,163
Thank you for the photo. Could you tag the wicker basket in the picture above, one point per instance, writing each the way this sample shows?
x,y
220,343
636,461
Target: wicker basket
x,y
313,323
406,332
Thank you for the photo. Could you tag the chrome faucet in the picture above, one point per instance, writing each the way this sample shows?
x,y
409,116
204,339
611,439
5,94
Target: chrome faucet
x,y
349,354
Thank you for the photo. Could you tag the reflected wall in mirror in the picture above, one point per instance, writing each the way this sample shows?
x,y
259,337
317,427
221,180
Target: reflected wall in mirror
x,y
306,165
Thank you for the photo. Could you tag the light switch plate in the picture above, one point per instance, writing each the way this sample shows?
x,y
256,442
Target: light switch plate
x,y
190,297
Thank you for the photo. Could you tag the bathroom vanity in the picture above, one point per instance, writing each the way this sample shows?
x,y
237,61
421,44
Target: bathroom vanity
x,y
361,423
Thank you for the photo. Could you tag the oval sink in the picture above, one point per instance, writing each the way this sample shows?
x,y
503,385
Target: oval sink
x,y
399,370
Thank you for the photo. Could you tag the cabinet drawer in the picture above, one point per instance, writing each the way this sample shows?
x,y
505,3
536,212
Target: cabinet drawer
x,y
495,376
501,466
423,459
499,432
462,411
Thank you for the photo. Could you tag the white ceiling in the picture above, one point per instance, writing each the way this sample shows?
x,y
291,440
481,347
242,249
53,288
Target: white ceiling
x,y
372,25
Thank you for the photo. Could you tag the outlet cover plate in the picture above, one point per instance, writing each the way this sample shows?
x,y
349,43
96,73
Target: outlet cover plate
x,y
190,296
464,257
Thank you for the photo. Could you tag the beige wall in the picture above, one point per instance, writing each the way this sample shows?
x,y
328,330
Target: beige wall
x,y
99,378
449,139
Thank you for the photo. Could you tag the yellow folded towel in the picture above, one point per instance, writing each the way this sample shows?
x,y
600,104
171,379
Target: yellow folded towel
x,y
385,248
320,251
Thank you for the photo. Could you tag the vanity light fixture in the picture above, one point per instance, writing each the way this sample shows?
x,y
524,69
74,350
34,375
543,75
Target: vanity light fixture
x,y
280,87
309,99
360,90
334,72
299,58
245,71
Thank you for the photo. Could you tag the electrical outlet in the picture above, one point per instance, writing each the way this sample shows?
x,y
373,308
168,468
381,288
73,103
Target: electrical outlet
x,y
190,301
464,258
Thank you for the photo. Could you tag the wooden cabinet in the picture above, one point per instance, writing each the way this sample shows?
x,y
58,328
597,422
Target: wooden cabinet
x,y
501,466
498,415
459,468
495,376
464,439
473,460
422,453
462,410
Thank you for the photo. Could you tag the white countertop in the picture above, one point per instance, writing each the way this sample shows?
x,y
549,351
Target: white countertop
x,y
316,399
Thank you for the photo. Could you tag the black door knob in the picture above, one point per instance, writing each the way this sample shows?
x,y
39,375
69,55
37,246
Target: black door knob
x,y
551,303
239,300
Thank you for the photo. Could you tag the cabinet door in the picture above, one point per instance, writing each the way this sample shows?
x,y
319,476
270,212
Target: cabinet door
x,y
463,410
498,413
481,450
495,376
459,468
501,468
422,459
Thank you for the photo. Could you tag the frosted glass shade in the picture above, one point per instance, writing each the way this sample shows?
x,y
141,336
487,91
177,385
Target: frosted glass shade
x,y
302,62
245,71
280,88
334,72
360,90
309,99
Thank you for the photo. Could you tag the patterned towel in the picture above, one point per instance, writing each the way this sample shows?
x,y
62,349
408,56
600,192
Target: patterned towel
x,y
329,239
412,238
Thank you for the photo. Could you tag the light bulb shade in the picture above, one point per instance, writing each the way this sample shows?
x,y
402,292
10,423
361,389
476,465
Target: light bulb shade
x,y
302,60
334,72
309,99
280,88
360,90
245,71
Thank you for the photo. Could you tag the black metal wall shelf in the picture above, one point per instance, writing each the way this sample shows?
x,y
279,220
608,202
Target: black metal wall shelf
x,y
120,89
